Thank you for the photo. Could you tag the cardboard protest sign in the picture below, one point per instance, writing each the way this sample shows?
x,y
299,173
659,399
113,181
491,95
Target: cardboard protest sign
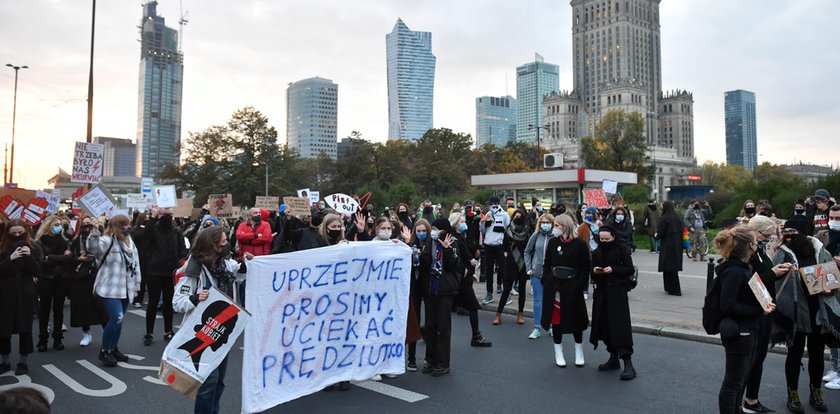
x,y
184,208
221,205
342,203
205,338
595,198
303,193
97,201
314,197
610,186
297,206
267,203
164,196
760,291
321,316
135,200
146,188
35,211
88,163
11,207
820,278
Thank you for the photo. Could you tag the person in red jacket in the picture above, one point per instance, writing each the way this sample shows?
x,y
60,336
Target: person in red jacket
x,y
254,235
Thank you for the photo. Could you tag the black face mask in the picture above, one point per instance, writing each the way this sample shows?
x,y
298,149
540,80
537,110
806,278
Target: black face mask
x,y
17,238
518,220
800,212
403,214
697,206
333,234
652,206
750,211
427,210
317,220
256,219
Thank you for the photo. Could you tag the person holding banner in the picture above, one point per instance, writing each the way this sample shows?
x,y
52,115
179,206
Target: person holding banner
x,y
207,267
20,259
117,281
85,308
52,284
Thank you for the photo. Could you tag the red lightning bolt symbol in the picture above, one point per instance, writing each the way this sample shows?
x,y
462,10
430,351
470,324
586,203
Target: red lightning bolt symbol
x,y
221,319
96,165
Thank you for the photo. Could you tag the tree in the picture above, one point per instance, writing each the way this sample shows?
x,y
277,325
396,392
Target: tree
x,y
619,143
441,155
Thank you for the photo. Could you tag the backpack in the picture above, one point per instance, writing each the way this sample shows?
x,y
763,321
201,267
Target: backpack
x,y
712,313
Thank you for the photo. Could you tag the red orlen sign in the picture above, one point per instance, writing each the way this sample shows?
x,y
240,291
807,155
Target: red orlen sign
x,y
694,178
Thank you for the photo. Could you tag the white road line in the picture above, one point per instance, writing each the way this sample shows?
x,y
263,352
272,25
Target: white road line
x,y
116,387
391,391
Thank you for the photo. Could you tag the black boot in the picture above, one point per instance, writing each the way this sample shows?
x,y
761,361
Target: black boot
x,y
793,403
629,372
480,341
611,364
42,344
57,344
816,400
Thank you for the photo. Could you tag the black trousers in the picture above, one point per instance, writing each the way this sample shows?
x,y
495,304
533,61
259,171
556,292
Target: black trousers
x,y
438,331
158,284
672,282
493,256
415,296
25,344
816,362
761,346
739,353
558,336
51,293
510,277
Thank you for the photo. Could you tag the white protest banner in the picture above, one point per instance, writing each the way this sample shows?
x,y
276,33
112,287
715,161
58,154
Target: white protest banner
x,y
321,316
303,193
146,188
164,196
135,200
610,186
267,203
205,338
97,201
314,197
342,203
88,160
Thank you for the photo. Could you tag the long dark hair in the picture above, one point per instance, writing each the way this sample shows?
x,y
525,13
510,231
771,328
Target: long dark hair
x,y
204,247
668,210
7,239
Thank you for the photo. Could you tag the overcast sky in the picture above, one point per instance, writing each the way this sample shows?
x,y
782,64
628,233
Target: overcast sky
x,y
246,52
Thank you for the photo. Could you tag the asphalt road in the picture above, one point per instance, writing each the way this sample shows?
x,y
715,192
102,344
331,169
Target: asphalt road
x,y
515,375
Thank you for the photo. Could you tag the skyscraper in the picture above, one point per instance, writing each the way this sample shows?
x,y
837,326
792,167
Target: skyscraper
x,y
495,120
411,82
312,117
534,81
741,145
160,86
120,158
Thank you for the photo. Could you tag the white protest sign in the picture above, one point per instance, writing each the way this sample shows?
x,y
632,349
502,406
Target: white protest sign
x,y
342,203
97,201
146,188
303,193
88,160
135,200
164,196
52,199
610,187
321,316
205,338
314,197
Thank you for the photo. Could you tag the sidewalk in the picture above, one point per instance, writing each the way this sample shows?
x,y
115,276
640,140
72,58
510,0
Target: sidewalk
x,y
652,311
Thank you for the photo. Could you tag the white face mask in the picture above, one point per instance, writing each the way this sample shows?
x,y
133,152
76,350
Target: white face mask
x,y
434,235
383,235
834,225
619,218
557,232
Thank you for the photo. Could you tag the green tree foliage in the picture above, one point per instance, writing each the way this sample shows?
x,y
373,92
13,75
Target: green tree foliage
x,y
619,144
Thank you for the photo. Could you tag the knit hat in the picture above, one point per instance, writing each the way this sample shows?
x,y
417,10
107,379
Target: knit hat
x,y
821,193
591,210
442,224
494,199
798,223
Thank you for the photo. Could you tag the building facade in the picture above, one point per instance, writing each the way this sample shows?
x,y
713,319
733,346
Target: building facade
x,y
120,158
159,96
411,82
312,117
741,140
495,120
566,124
534,81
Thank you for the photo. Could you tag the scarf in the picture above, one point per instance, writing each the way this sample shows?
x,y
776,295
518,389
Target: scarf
x,y
224,277
517,232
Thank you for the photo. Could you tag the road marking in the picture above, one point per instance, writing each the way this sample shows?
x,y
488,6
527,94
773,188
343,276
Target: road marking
x,y
26,381
117,387
391,391
148,378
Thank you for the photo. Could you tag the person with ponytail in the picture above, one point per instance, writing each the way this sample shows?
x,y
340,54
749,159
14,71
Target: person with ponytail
x,y
740,310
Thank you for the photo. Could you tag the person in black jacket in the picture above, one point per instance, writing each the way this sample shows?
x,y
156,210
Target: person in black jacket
x,y
52,287
669,232
612,266
85,308
566,272
619,221
440,269
166,249
138,231
740,310
513,268
19,263
466,295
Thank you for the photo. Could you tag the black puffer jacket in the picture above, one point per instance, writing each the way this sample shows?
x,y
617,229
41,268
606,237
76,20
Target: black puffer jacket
x,y
56,264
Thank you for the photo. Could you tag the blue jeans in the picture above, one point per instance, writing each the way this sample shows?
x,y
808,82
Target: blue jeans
x,y
207,399
835,359
653,243
536,283
116,310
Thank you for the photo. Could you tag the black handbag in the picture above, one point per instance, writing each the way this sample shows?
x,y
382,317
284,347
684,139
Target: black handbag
x,y
563,272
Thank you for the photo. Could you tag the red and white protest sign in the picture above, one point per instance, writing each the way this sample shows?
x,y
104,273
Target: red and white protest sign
x,y
35,211
595,198
11,207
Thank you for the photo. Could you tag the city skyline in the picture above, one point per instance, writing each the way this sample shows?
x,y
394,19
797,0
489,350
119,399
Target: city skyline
x,y
702,51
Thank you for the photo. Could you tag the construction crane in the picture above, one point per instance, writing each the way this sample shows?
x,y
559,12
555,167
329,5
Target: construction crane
x,y
182,22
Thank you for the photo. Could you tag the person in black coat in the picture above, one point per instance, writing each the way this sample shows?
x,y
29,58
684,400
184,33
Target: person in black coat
x,y
85,308
466,295
138,237
566,272
740,310
166,249
619,220
20,260
440,271
52,284
612,266
669,232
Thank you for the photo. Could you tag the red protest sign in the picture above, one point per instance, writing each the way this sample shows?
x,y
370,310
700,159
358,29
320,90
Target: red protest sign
x,y
11,207
35,211
595,198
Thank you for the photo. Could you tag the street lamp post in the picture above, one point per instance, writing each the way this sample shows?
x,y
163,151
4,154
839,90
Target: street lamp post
x,y
538,128
14,116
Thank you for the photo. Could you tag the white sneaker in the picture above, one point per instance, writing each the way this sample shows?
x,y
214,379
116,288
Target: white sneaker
x,y
833,384
535,334
559,360
390,376
830,376
585,296
551,331
579,355
63,328
514,292
509,301
376,378
86,338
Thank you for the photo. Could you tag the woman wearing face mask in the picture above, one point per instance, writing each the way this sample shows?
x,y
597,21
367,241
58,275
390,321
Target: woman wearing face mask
x,y
515,240
85,309
565,274
331,231
404,215
612,266
804,318
619,221
588,232
748,211
669,233
20,259
117,281
580,212
52,287
534,258
798,209
466,295
418,241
